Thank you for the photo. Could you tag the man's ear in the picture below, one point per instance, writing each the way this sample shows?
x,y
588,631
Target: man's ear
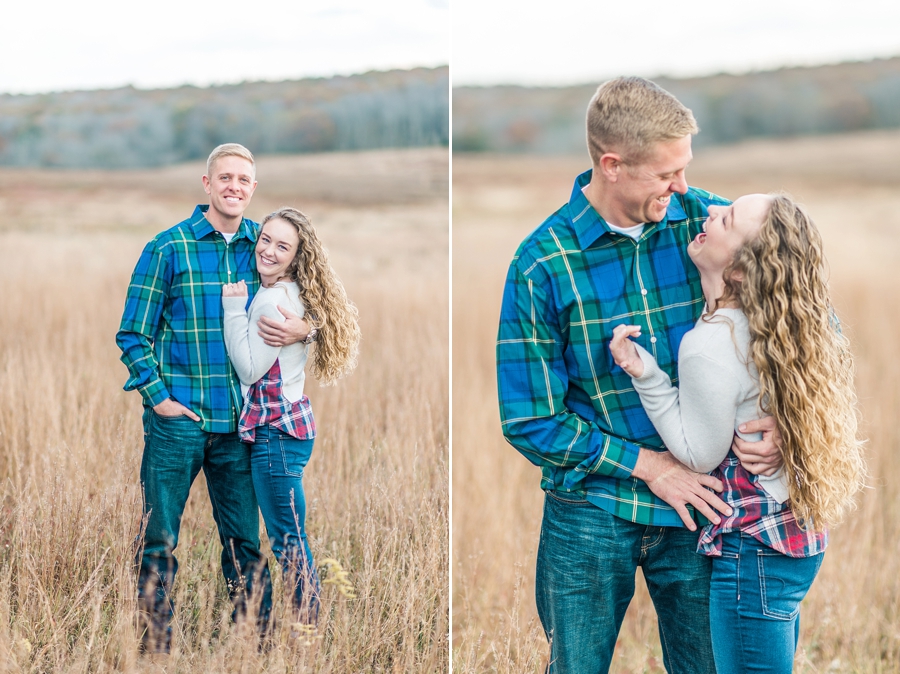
x,y
611,166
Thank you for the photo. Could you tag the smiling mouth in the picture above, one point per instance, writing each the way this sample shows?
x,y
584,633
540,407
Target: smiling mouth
x,y
700,238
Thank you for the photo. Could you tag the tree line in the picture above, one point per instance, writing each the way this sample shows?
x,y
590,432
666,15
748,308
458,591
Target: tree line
x,y
728,108
133,128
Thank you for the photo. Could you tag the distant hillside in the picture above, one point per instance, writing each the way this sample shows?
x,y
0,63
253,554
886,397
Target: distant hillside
x,y
728,108
130,128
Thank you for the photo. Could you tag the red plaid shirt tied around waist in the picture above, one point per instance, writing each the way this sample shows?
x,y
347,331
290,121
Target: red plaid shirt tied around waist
x,y
266,404
759,515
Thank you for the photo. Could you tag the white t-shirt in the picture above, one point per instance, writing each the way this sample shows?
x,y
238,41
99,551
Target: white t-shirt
x,y
633,232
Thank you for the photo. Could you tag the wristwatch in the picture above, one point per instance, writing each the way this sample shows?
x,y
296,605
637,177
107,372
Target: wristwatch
x,y
311,337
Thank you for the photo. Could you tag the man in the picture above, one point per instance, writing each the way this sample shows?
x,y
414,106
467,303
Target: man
x,y
172,343
615,499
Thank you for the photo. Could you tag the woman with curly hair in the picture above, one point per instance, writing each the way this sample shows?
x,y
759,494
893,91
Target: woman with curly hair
x,y
767,344
277,418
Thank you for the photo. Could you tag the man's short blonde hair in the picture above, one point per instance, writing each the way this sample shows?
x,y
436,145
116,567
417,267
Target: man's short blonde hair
x,y
229,150
629,115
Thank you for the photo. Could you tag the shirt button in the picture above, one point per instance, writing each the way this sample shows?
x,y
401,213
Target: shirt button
x,y
643,291
653,340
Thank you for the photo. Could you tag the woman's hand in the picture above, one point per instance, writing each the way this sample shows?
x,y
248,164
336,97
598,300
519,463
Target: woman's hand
x,y
238,289
623,351
763,457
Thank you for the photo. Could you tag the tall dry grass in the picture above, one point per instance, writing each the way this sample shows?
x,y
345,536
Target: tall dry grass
x,y
851,617
71,439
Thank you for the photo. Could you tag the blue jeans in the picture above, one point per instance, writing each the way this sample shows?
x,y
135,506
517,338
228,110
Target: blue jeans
x,y
586,563
755,600
175,449
277,461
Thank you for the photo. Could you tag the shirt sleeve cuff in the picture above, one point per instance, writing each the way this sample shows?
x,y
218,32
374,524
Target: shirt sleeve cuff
x,y
154,393
629,457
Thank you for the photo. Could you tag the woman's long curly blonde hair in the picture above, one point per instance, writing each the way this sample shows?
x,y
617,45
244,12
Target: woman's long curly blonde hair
x,y
805,367
326,303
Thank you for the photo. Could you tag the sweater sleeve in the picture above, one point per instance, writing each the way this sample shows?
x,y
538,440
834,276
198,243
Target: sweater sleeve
x,y
248,352
695,420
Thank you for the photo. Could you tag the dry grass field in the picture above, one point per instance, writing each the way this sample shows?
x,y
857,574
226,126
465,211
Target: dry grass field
x,y
851,618
70,438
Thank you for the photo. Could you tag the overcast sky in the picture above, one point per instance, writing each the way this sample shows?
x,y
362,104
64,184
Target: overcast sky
x,y
584,41
54,45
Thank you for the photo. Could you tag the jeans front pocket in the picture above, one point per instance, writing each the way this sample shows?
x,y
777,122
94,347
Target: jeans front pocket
x,y
177,425
784,582
567,498
170,435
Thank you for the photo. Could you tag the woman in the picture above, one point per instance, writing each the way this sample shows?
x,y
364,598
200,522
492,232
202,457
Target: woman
x,y
768,343
277,418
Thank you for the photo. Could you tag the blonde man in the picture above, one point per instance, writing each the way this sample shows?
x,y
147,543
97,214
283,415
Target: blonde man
x,y
172,342
615,499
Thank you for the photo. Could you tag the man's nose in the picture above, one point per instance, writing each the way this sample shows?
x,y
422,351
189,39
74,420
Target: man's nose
x,y
679,184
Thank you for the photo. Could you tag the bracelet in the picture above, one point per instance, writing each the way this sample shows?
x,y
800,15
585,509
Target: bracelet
x,y
311,337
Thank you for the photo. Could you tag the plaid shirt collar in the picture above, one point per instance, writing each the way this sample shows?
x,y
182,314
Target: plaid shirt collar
x,y
203,227
590,226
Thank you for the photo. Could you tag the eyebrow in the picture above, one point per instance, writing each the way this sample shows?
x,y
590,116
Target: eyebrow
x,y
277,241
674,171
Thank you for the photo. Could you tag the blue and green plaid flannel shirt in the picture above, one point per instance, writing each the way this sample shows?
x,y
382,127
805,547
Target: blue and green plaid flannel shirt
x,y
171,332
564,403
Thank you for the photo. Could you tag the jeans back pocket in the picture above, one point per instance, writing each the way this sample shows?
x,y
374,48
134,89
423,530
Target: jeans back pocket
x,y
784,582
294,454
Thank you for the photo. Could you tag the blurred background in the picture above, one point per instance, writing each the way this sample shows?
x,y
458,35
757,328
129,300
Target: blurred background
x,y
798,96
107,115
